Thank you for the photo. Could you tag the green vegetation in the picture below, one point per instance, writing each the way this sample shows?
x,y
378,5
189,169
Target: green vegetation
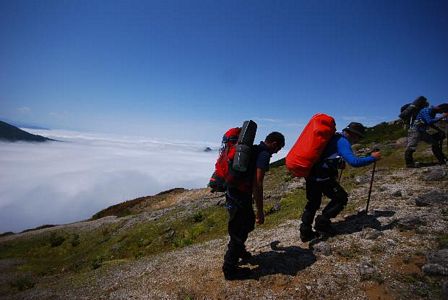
x,y
289,207
442,240
384,132
23,283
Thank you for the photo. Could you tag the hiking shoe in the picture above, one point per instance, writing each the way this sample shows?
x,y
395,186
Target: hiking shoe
x,y
245,256
308,235
235,273
324,225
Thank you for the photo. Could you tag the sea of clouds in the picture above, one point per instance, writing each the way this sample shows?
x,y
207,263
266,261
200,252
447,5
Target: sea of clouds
x,y
80,174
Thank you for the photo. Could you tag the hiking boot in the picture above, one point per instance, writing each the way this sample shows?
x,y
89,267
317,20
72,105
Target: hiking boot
x,y
235,273
409,166
308,235
324,225
245,256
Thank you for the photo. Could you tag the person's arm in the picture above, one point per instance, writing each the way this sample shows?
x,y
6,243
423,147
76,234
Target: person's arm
x,y
345,150
426,116
257,193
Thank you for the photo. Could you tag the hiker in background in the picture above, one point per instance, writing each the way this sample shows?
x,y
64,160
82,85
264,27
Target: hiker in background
x,y
239,204
418,132
322,180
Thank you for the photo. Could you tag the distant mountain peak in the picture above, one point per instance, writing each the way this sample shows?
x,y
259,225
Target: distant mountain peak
x,y
12,133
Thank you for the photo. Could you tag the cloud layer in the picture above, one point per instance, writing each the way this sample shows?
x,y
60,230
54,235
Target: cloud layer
x,y
68,181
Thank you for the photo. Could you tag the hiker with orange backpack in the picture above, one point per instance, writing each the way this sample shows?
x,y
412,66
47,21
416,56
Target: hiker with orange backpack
x,y
240,173
317,155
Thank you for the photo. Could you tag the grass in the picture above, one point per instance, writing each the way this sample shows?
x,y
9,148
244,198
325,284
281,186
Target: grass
x,y
442,241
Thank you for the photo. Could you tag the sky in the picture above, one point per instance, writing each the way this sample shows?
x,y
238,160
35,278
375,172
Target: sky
x,y
192,69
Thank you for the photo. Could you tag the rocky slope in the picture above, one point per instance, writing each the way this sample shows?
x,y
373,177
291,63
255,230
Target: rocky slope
x,y
398,250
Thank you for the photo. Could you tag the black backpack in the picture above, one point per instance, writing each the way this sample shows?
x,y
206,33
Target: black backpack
x,y
408,112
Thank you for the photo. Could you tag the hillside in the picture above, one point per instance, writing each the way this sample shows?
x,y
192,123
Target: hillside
x,y
11,133
171,245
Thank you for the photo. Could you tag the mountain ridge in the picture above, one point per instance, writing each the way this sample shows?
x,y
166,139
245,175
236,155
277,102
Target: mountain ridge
x,y
12,133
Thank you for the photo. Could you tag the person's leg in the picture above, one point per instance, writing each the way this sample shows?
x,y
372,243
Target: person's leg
x,y
339,197
413,139
435,141
240,216
314,197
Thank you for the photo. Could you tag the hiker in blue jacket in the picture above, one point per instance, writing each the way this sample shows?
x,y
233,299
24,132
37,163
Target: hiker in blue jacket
x,y
323,181
427,117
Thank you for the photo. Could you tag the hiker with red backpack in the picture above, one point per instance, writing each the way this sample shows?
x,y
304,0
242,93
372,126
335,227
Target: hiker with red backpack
x,y
317,155
239,172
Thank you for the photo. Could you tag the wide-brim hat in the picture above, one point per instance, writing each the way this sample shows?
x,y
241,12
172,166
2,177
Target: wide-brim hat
x,y
356,128
443,107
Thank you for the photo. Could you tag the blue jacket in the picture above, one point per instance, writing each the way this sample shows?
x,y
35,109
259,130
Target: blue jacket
x,y
425,117
338,148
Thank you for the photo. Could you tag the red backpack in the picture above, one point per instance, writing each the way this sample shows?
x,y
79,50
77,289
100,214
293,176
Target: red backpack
x,y
310,145
224,175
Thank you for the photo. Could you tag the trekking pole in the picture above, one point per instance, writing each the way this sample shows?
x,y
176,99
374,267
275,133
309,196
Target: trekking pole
x,y
371,181
370,189
340,176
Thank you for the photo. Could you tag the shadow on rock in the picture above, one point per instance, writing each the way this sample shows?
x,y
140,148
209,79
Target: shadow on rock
x,y
282,260
361,220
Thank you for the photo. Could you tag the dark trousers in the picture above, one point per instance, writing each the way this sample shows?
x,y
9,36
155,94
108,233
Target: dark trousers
x,y
314,191
241,222
435,140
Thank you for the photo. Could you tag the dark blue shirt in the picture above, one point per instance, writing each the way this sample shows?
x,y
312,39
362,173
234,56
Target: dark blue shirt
x,y
263,157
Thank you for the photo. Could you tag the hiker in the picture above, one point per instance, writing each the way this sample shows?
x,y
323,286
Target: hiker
x,y
323,180
239,205
418,132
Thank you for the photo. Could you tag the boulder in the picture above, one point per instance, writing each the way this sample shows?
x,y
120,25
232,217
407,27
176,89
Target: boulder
x,y
322,248
435,174
434,197
410,222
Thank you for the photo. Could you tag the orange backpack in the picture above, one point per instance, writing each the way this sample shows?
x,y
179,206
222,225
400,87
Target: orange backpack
x,y
310,145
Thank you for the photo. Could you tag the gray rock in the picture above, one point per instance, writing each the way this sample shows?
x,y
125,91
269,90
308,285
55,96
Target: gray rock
x,y
371,234
438,257
362,179
322,248
435,269
437,263
397,193
445,289
432,198
367,271
391,242
296,183
410,222
435,174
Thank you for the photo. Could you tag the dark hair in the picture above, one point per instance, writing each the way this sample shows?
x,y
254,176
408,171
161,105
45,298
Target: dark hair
x,y
275,137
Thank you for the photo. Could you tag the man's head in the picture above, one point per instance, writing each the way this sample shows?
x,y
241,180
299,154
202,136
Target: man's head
x,y
275,141
355,131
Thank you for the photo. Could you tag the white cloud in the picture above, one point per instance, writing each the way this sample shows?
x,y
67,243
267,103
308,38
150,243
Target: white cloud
x,y
60,182
24,110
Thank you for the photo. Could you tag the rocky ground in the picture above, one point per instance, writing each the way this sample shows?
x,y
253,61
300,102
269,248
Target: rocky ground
x,y
396,251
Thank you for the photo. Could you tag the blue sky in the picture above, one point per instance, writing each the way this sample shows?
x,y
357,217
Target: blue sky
x,y
191,69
